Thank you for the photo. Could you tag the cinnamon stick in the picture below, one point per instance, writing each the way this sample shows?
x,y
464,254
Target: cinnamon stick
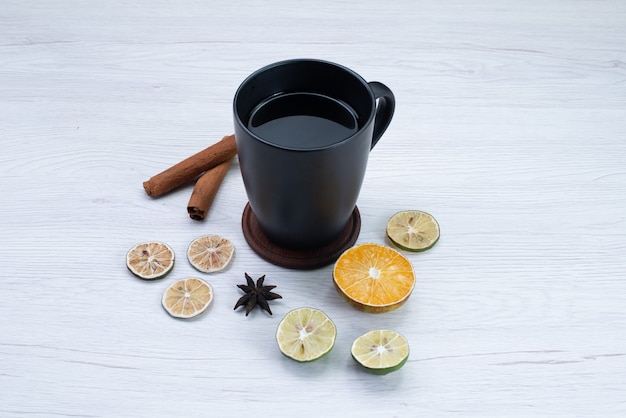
x,y
190,168
205,190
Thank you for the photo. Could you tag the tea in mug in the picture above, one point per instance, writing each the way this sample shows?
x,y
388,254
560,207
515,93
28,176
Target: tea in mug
x,y
303,120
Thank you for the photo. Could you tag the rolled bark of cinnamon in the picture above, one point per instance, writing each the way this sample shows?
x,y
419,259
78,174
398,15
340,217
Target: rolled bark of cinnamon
x,y
205,190
190,168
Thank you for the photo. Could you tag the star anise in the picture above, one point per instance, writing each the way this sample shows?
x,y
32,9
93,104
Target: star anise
x,y
256,295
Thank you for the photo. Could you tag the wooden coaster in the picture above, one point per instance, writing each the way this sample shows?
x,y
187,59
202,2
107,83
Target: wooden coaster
x,y
299,259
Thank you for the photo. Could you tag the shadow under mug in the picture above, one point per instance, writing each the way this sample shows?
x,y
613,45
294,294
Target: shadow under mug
x,y
303,191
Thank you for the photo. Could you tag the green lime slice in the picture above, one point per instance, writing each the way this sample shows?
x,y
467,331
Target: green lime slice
x,y
306,334
381,351
413,230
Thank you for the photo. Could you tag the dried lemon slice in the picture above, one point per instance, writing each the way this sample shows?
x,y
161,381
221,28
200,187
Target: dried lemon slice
x,y
150,260
413,230
187,298
374,278
306,334
380,351
210,253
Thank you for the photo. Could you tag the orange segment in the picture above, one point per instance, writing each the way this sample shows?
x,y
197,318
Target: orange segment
x,y
374,278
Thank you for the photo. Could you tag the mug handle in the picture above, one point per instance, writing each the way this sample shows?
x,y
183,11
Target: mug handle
x,y
384,109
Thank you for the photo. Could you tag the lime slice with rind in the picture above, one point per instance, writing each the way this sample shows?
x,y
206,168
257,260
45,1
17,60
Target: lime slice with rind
x,y
150,260
187,298
306,334
380,351
413,230
210,253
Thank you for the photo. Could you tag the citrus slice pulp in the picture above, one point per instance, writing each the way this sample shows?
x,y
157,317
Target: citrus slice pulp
x,y
306,334
210,253
380,351
150,260
187,298
413,230
374,278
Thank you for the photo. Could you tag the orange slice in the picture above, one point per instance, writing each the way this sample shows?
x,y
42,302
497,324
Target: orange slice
x,y
374,278
187,298
150,260
210,253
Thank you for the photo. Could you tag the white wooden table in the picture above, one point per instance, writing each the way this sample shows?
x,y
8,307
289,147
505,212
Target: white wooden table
x,y
510,129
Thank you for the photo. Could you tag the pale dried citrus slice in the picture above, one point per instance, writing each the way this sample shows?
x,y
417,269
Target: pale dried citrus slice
x,y
381,351
374,278
413,230
187,298
210,253
306,334
150,260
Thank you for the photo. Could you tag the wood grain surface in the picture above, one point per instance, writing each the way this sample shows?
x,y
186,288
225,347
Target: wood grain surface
x,y
510,128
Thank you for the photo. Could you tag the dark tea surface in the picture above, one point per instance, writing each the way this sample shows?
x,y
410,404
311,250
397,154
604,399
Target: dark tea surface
x,y
303,120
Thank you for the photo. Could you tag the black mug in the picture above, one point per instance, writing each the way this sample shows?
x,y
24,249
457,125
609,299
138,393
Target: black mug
x,y
304,129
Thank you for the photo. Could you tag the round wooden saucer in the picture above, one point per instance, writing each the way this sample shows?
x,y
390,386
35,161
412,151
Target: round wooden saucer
x,y
299,259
